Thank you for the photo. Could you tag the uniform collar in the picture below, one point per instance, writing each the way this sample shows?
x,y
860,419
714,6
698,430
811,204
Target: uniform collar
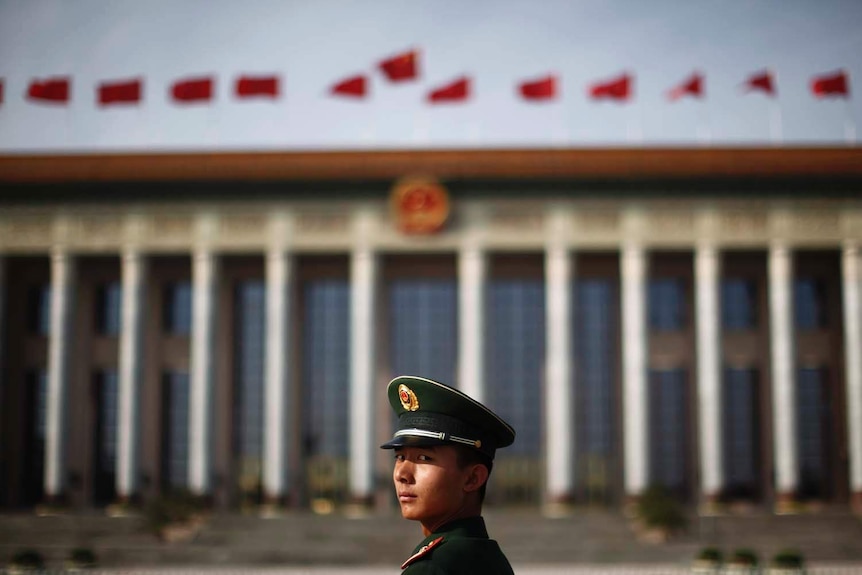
x,y
467,527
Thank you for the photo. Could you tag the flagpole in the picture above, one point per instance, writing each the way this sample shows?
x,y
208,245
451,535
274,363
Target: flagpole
x,y
704,128
849,124
776,133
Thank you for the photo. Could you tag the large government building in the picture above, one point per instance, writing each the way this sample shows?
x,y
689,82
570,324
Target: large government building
x,y
227,323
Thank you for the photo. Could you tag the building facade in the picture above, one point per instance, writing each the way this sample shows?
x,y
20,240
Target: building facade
x,y
235,338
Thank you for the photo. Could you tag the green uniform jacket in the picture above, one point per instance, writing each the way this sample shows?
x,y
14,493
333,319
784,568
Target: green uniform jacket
x,y
459,547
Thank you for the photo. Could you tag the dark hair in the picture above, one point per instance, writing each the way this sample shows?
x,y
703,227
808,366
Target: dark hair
x,y
467,456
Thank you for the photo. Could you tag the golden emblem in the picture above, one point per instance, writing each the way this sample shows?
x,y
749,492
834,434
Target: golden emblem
x,y
420,205
409,401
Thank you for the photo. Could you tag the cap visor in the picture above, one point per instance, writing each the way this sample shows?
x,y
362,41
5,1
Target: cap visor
x,y
412,441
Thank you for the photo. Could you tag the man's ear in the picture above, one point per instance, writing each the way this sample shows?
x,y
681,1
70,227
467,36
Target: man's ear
x,y
476,477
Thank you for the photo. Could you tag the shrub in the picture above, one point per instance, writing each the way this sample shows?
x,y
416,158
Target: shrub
x,y
174,508
658,508
788,559
711,554
744,557
28,559
82,556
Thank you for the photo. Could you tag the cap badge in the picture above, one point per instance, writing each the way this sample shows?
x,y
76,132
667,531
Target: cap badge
x,y
409,401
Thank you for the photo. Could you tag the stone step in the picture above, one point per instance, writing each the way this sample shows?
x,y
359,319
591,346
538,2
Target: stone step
x,y
300,538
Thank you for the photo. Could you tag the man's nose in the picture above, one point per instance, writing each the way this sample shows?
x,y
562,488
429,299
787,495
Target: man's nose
x,y
403,471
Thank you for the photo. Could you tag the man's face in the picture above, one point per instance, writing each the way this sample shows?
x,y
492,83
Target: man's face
x,y
429,484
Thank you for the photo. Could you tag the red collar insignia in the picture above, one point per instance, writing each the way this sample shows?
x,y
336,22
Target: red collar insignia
x,y
422,552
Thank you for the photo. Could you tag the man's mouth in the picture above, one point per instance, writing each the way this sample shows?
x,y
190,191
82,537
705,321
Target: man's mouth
x,y
405,497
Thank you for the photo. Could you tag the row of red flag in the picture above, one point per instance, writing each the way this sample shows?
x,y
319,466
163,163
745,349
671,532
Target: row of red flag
x,y
405,67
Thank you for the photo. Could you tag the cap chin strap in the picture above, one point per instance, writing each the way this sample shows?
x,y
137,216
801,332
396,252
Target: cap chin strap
x,y
438,435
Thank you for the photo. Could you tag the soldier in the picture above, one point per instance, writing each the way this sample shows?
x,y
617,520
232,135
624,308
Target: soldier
x,y
444,452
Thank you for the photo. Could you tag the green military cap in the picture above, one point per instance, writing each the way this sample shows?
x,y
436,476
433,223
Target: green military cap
x,y
432,413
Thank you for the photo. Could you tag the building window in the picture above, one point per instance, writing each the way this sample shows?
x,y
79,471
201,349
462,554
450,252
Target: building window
x,y
515,358
178,308
666,304
105,460
813,431
39,310
108,301
249,331
595,364
668,429
326,366
36,409
738,304
326,389
175,430
740,425
809,298
423,328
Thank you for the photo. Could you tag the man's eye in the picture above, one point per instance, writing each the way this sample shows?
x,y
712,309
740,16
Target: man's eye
x,y
399,457
424,458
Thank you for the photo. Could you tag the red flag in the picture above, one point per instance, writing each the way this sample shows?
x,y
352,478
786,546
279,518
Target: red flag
x,y
541,89
457,91
193,90
50,90
120,92
693,86
251,86
401,67
762,81
353,87
617,89
835,84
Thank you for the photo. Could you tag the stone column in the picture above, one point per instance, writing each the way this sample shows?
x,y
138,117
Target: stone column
x,y
559,417
707,277
3,352
204,291
852,278
363,353
131,373
635,423
783,373
62,308
276,460
472,271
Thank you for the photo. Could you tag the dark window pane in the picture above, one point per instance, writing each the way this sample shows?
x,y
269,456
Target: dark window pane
x,y
738,304
108,301
105,461
39,310
36,397
740,431
175,430
668,429
515,357
595,333
249,331
423,328
326,366
594,338
666,304
813,436
178,308
809,298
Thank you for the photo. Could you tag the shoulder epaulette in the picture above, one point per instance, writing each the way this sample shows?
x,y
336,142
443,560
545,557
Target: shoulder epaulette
x,y
422,552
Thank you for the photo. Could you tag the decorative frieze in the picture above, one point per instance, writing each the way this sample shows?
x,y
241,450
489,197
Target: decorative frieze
x,y
816,224
736,224
517,219
29,231
243,229
323,223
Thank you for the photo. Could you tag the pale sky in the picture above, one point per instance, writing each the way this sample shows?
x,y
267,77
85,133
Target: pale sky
x,y
313,44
